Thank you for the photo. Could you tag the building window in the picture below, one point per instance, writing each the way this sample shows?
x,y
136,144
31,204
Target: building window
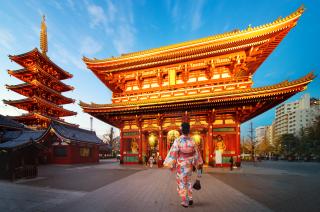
x,y
85,152
60,151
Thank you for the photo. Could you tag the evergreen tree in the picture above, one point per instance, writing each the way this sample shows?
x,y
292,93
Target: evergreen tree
x,y
289,145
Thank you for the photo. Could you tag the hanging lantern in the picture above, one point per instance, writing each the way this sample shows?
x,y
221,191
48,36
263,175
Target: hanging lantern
x,y
197,139
152,140
172,135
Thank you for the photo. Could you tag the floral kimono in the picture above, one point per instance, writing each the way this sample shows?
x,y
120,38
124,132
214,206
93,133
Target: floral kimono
x,y
183,155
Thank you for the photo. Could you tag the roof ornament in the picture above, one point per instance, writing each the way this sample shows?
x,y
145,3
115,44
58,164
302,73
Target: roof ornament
x,y
43,36
302,8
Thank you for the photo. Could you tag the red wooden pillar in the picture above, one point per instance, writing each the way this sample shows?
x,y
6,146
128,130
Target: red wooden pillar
x,y
210,119
160,141
121,145
140,143
238,146
210,142
144,144
97,154
164,146
204,148
160,137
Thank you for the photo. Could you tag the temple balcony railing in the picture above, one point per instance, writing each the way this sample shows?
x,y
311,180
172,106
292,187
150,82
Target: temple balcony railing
x,y
182,86
183,92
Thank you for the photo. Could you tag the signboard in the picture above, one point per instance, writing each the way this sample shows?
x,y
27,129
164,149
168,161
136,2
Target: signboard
x,y
224,129
130,133
172,76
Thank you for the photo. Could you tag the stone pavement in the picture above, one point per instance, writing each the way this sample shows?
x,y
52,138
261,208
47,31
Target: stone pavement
x,y
249,168
15,197
155,190
108,186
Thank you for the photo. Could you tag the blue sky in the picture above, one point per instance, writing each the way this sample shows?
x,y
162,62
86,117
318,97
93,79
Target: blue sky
x,y
102,29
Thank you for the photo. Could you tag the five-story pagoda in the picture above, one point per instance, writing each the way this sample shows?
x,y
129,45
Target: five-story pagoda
x,y
42,86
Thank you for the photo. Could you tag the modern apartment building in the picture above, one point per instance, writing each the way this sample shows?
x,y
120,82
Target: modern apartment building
x,y
290,118
294,116
265,133
270,133
261,133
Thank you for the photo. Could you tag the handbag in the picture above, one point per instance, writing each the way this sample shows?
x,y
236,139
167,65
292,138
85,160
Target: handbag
x,y
197,185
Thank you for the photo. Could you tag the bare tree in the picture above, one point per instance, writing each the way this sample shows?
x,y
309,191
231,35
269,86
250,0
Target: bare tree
x,y
112,141
252,141
108,137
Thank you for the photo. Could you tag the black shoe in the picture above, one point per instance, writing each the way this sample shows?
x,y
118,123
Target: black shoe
x,y
190,202
184,204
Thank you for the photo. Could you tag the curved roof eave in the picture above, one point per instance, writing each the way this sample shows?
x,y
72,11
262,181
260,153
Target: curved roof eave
x,y
202,41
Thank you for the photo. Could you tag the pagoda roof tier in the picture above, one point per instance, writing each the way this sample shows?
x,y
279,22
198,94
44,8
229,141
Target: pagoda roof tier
x,y
35,88
35,59
27,75
257,43
34,119
42,106
267,97
31,116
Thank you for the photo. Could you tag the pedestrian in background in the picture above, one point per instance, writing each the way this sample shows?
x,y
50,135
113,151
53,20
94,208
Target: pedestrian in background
x,y
145,160
151,161
159,161
231,163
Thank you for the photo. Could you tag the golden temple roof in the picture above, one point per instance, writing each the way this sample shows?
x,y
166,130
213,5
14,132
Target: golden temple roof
x,y
224,37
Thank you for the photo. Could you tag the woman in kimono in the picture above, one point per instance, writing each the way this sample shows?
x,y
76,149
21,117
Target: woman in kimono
x,y
183,155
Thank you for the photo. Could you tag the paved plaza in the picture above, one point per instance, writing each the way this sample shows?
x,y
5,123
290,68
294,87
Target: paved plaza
x,y
265,186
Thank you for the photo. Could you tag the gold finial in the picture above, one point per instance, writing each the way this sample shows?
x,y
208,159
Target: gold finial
x,y
43,36
302,8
